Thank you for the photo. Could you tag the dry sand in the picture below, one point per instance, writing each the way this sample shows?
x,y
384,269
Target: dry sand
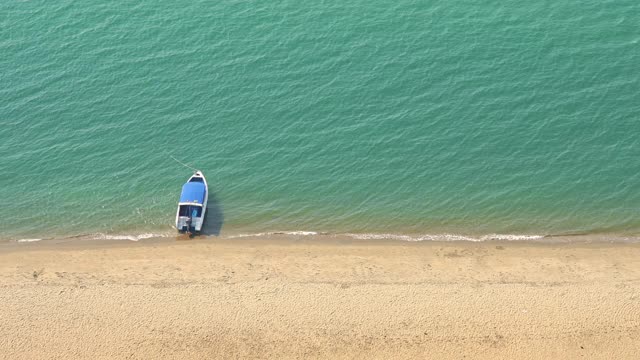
x,y
327,298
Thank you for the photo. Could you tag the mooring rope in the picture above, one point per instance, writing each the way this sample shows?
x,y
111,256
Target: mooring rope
x,y
183,164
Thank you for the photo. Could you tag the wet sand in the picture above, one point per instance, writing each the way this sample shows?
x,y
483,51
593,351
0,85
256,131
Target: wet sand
x,y
295,297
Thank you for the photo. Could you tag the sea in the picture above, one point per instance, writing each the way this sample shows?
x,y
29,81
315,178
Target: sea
x,y
405,119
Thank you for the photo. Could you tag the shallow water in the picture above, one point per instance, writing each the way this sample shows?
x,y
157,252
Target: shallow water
x,y
377,117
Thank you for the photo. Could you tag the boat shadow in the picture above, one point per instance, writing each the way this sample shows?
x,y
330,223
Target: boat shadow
x,y
214,218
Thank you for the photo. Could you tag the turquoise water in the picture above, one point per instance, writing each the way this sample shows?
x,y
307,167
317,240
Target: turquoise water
x,y
403,117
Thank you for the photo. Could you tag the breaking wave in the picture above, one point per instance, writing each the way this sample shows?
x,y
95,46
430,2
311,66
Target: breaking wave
x,y
129,237
401,237
28,240
320,235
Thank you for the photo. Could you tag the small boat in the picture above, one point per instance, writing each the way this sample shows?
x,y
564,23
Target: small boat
x,y
192,205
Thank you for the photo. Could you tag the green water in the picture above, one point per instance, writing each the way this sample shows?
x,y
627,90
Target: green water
x,y
404,117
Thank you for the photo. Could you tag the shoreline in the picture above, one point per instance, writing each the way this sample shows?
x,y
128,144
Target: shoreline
x,y
287,297
94,238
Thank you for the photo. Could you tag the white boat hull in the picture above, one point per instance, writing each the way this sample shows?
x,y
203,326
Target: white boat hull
x,y
193,224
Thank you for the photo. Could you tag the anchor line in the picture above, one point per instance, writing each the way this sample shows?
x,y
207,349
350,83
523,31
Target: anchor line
x,y
183,164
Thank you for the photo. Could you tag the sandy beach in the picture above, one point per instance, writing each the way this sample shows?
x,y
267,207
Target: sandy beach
x,y
296,297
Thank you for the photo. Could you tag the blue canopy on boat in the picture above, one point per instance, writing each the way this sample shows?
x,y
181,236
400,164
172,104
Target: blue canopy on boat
x,y
193,192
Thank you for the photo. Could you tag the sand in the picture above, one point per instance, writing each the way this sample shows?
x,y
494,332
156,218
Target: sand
x,y
296,297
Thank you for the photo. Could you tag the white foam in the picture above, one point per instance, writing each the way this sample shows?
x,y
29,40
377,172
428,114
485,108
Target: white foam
x,y
128,237
302,233
27,240
297,233
424,237
511,237
400,237
444,237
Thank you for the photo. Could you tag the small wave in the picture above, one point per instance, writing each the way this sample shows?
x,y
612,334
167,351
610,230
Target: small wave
x,y
303,233
445,237
512,237
28,240
426,237
128,237
269,233
400,237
